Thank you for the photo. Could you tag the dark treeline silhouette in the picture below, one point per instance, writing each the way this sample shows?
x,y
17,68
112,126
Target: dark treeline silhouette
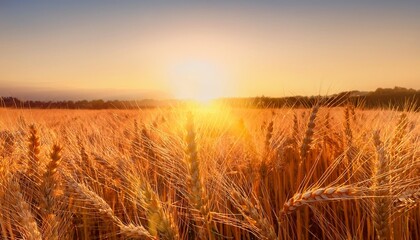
x,y
12,102
396,98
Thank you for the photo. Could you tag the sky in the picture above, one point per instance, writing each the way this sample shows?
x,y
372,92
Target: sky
x,y
52,50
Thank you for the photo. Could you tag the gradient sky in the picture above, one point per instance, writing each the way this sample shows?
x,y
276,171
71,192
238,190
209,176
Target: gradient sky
x,y
193,49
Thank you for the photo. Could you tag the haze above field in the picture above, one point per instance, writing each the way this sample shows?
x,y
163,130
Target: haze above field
x,y
188,49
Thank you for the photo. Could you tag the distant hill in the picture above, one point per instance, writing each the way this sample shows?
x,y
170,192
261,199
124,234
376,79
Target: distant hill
x,y
397,98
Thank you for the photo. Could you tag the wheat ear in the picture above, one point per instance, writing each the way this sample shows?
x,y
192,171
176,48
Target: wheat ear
x,y
319,195
50,187
253,215
197,196
33,152
160,223
129,230
407,200
25,218
309,133
382,205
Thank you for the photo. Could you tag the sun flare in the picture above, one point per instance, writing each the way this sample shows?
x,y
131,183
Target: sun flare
x,y
201,81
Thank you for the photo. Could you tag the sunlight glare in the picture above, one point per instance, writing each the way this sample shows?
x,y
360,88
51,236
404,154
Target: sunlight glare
x,y
201,81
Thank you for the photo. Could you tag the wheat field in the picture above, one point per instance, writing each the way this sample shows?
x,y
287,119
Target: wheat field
x,y
210,173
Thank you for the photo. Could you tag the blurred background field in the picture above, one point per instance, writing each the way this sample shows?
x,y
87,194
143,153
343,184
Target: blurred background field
x,y
210,172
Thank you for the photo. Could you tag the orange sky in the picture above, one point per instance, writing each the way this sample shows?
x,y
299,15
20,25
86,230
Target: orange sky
x,y
205,52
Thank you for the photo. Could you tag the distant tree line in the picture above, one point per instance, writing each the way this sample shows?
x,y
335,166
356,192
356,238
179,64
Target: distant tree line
x,y
397,98
12,102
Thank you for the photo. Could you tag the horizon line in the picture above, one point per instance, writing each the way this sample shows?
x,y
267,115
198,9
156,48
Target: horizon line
x,y
160,99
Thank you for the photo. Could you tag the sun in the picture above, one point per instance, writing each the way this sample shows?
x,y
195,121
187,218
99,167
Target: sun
x,y
198,80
